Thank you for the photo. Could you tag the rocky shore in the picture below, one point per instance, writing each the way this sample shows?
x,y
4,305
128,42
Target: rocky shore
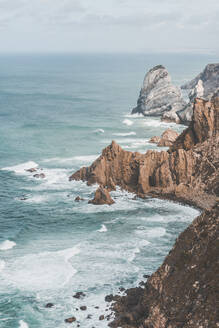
x,y
182,292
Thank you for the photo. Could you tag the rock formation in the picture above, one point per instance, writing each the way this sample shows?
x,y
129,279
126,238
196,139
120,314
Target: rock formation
x,y
203,86
158,96
102,197
182,293
167,138
175,173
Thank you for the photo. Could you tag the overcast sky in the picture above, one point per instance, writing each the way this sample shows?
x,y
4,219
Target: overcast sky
x,y
109,26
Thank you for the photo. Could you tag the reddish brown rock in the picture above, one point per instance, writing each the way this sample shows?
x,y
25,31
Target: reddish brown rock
x,y
155,139
102,197
168,138
70,320
78,199
175,173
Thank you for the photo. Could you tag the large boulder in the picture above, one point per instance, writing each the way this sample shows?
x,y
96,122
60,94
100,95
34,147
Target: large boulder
x,y
203,86
167,138
102,197
158,95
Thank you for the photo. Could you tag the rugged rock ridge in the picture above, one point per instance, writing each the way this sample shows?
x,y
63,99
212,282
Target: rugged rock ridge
x,y
158,95
175,173
202,86
183,292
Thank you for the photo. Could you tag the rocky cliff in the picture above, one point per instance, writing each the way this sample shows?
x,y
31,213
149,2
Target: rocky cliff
x,y
203,86
158,95
183,292
179,173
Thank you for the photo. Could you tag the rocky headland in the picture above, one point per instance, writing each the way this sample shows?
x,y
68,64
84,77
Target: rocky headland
x,y
202,86
183,291
158,96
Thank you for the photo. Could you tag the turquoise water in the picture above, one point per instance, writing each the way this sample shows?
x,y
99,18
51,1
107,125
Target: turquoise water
x,y
57,112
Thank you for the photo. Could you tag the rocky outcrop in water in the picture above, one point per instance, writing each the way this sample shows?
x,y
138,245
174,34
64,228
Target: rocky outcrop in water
x,y
202,86
102,197
159,96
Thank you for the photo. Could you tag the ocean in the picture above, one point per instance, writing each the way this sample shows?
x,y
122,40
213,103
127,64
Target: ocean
x,y
57,113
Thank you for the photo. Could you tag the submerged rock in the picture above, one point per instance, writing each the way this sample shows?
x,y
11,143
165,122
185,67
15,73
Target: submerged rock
x,y
102,196
158,95
70,320
39,176
78,199
49,305
79,295
31,170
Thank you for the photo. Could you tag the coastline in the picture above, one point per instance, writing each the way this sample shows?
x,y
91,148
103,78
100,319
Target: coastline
x,y
187,173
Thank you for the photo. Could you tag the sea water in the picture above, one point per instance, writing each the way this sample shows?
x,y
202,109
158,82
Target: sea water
x,y
57,112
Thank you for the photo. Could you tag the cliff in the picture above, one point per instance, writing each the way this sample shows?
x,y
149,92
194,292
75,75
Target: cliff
x,y
183,292
202,86
179,173
158,95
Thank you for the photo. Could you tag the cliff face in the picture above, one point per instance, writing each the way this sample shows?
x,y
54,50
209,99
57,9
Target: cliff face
x,y
183,292
175,173
158,95
204,86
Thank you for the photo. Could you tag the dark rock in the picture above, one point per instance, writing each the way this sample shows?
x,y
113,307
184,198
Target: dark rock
x,y
79,295
49,305
146,276
96,307
31,170
83,308
39,176
78,199
89,316
109,298
101,317
70,320
122,289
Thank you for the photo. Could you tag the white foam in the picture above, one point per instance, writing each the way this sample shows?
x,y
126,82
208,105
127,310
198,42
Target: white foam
x,y
23,324
103,228
151,233
136,115
21,168
2,265
82,159
7,244
99,131
127,122
42,271
125,134
37,199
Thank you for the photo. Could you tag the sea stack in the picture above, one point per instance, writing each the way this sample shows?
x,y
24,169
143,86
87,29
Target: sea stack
x,y
158,96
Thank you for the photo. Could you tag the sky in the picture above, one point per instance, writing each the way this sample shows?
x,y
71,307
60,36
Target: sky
x,y
105,26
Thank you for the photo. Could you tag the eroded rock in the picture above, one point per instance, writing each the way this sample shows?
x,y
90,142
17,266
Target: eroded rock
x,y
101,197
158,95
